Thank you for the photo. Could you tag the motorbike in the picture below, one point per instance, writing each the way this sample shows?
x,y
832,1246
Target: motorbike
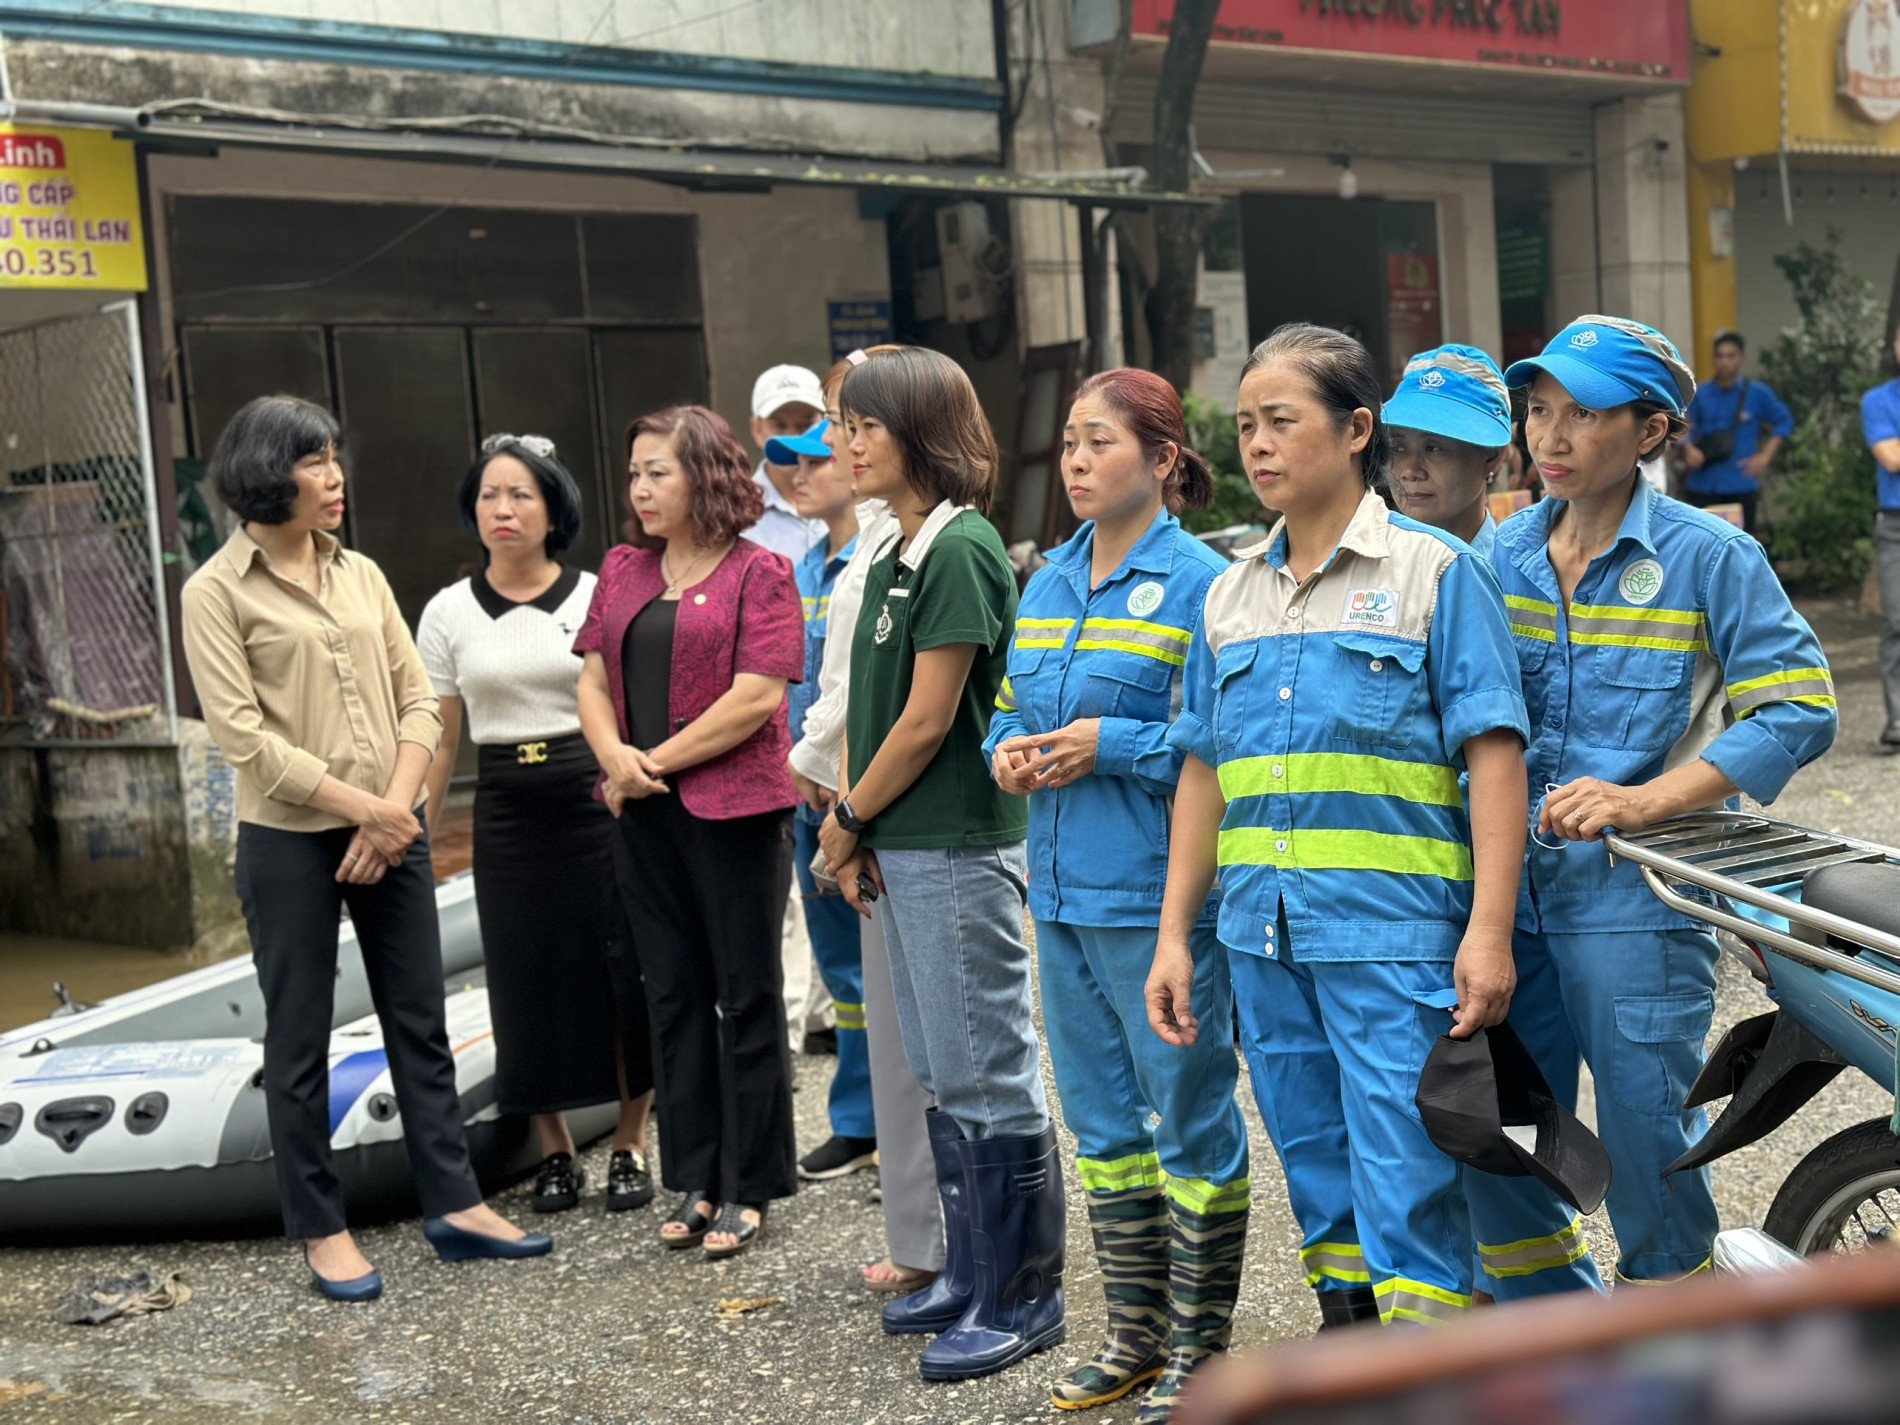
x,y
1815,919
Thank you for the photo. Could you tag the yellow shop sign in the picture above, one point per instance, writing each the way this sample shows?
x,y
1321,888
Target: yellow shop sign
x,y
69,210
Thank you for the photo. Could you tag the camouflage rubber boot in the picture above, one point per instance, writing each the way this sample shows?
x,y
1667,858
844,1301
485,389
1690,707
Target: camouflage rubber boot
x,y
1131,1245
1203,1281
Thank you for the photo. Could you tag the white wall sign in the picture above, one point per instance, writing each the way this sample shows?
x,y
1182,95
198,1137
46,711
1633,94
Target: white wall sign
x,y
1869,74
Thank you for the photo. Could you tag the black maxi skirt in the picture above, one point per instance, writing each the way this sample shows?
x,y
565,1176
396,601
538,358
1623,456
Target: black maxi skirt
x,y
563,983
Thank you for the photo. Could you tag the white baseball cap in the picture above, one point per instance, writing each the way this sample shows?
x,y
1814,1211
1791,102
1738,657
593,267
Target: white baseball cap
x,y
782,386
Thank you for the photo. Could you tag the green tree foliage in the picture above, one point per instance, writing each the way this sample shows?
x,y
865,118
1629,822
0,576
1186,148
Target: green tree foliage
x,y
1822,531
1215,436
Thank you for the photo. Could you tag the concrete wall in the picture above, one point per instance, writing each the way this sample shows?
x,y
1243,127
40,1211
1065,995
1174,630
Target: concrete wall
x,y
1643,215
944,37
769,262
128,845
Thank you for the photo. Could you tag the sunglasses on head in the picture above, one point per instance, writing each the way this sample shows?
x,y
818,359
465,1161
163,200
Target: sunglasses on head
x,y
534,444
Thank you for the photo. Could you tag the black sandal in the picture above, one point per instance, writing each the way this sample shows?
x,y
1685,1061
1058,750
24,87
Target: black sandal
x,y
732,1219
687,1215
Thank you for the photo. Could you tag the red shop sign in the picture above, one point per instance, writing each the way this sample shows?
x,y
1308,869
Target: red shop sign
x,y
1624,39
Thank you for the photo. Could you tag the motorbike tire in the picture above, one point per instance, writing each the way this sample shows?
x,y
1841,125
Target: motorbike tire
x,y
1826,1187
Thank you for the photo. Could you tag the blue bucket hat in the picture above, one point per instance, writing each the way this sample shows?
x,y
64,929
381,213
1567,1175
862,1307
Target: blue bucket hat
x,y
1605,362
785,449
1453,391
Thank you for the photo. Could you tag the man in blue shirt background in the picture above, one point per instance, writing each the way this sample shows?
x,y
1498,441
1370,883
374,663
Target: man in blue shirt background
x,y
1735,427
1880,424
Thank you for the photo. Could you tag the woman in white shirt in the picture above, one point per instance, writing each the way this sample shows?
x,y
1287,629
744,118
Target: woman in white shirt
x,y
563,986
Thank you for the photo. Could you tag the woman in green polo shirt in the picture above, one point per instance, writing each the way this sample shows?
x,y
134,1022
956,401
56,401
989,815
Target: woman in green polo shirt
x,y
920,820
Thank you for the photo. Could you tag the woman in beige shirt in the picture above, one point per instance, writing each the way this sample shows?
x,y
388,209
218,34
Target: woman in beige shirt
x,y
314,692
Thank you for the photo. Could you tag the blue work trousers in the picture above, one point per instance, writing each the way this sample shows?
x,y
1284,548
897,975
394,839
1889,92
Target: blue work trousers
x,y
1635,1005
1139,1107
1335,1049
835,945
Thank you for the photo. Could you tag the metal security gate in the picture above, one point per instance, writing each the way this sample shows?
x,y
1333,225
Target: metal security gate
x,y
86,645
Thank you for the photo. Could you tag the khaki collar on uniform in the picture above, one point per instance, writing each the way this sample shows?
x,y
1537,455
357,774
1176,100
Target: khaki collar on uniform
x,y
1368,532
241,552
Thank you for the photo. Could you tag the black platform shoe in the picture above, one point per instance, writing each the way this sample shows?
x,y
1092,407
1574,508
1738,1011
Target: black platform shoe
x,y
629,1184
557,1187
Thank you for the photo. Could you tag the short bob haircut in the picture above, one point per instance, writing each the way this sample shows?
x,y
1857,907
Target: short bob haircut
x,y
558,489
930,408
726,500
251,467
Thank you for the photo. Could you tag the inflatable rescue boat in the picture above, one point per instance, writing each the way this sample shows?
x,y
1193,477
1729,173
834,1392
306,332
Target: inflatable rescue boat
x,y
143,1116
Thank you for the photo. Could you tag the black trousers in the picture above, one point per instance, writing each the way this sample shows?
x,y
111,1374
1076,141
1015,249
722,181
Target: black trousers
x,y
286,881
706,901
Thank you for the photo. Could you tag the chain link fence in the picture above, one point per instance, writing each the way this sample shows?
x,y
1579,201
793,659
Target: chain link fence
x,y
85,637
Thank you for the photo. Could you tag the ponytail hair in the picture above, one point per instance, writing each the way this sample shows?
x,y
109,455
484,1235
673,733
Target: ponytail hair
x,y
1151,408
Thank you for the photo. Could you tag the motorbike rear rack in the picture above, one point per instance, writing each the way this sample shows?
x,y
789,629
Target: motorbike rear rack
x,y
1745,858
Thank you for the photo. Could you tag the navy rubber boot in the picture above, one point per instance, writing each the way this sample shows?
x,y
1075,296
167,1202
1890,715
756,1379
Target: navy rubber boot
x,y
1017,1230
941,1305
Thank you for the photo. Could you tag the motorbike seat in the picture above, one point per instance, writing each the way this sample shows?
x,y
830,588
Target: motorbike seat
x,y
1867,892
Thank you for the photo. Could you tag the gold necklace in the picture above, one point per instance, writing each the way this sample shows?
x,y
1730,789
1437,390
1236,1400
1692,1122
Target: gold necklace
x,y
672,584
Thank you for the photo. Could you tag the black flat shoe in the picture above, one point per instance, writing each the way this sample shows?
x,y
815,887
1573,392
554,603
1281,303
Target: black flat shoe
x,y
836,1157
688,1215
559,1183
629,1184
732,1219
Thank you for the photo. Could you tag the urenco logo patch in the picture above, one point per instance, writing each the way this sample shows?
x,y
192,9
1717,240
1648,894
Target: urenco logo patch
x,y
1372,608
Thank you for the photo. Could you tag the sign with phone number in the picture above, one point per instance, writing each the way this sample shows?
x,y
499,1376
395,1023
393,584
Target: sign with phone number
x,y
69,210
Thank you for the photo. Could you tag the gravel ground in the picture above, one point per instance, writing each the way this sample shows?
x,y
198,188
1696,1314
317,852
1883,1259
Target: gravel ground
x,y
613,1327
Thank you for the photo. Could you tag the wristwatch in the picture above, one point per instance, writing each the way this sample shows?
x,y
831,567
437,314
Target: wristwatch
x,y
847,819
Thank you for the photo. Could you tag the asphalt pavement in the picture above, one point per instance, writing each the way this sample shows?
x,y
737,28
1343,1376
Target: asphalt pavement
x,y
612,1327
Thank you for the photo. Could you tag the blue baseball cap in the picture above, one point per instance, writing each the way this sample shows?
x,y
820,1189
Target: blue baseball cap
x,y
1453,391
1605,362
785,449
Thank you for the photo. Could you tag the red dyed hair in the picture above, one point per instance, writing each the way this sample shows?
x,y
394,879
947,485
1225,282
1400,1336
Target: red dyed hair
x,y
727,501
1151,408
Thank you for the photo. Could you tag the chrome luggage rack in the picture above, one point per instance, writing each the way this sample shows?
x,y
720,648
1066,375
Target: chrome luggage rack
x,y
1741,857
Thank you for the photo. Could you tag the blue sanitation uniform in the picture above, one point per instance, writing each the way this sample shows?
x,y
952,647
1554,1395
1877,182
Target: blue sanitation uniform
x,y
1334,710
1161,1146
831,921
1098,858
1679,643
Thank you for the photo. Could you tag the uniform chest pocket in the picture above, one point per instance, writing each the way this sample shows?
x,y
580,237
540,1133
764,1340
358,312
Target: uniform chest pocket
x,y
1381,692
1034,684
1640,699
1125,686
1233,664
890,626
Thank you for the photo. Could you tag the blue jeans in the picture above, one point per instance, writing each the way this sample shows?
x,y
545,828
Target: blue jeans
x,y
953,923
1116,1076
834,944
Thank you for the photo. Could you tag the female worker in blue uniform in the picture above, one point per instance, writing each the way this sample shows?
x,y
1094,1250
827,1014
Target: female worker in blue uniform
x,y
1081,729
1346,671
1664,671
1450,420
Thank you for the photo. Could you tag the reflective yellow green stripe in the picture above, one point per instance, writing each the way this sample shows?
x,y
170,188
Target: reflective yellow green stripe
x,y
1330,850
1640,640
1402,1300
1043,632
1684,618
1006,698
849,1016
1814,686
1618,626
1536,1254
1137,1170
1311,773
1129,635
1533,618
1334,1261
1622,1280
1205,1198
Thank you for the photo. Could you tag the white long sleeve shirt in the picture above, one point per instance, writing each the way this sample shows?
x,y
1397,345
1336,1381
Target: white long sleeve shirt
x,y
817,752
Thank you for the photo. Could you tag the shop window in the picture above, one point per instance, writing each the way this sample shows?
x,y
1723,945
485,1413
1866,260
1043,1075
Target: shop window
x,y
1521,200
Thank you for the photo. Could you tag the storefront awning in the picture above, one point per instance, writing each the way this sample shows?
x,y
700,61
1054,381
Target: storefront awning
x,y
480,140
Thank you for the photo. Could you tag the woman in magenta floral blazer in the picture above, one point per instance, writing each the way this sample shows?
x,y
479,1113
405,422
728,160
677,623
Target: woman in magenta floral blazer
x,y
693,634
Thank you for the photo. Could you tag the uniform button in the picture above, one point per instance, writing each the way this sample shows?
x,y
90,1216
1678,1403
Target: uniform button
x,y
1378,665
1555,722
1292,615
1279,846
1278,771
1269,932
1285,693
